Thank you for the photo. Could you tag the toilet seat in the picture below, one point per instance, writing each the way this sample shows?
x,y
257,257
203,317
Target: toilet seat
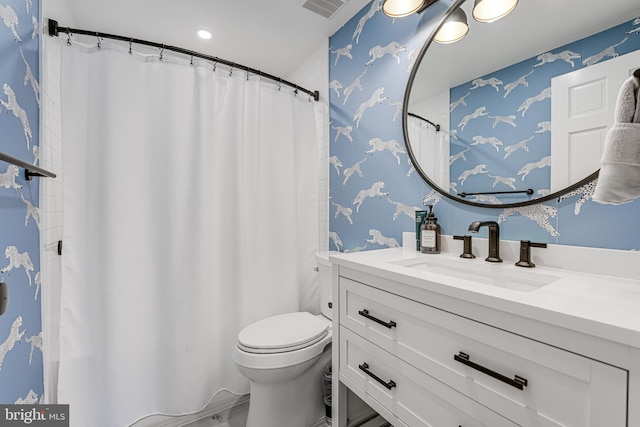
x,y
269,356
282,333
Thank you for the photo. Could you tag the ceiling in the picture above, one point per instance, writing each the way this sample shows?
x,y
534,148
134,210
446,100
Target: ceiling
x,y
274,36
277,36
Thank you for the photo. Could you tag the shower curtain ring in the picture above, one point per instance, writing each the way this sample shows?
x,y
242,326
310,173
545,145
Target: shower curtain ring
x,y
99,43
162,53
131,46
279,84
68,38
191,58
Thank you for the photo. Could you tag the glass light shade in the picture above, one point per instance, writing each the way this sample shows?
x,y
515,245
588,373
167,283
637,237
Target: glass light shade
x,y
454,28
399,8
492,10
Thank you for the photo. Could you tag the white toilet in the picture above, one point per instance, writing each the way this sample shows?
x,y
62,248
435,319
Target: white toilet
x,y
283,357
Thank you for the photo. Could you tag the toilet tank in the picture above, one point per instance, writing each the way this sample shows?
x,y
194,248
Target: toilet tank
x,y
324,282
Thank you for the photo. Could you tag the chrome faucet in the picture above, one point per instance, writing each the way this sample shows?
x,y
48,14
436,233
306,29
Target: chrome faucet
x,y
494,238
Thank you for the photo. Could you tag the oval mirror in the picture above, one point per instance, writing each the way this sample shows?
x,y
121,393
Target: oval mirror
x,y
517,111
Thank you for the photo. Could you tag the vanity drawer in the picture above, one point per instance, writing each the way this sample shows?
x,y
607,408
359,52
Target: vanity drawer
x,y
528,382
414,397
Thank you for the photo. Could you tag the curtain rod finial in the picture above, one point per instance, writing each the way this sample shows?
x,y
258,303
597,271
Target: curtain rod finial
x,y
53,27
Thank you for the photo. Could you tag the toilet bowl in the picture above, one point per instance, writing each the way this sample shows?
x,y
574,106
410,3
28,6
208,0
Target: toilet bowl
x,y
283,357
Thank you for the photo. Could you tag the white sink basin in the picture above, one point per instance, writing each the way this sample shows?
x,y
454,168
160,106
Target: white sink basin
x,y
482,272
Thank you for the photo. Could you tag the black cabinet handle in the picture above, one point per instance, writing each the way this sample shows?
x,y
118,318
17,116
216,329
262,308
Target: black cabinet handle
x,y
518,382
365,313
389,385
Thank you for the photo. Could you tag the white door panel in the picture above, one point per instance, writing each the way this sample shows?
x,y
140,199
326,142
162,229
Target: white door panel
x,y
582,111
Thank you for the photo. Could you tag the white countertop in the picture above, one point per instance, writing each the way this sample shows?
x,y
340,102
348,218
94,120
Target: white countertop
x,y
604,306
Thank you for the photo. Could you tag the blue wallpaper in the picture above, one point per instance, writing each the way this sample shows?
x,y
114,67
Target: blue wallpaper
x,y
492,112
374,191
21,377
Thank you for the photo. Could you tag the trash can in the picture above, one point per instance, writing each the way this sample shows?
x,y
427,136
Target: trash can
x,y
326,389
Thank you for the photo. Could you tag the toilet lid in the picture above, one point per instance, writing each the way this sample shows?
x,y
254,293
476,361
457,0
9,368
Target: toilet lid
x,y
284,332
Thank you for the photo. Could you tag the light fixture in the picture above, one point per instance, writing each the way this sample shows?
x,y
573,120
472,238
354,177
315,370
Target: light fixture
x,y
204,34
492,10
400,8
453,29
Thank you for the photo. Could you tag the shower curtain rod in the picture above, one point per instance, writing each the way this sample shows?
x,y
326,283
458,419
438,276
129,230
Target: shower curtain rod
x,y
437,126
55,29
29,170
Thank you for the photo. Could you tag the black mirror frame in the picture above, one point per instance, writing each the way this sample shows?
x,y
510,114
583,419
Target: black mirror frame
x,y
423,175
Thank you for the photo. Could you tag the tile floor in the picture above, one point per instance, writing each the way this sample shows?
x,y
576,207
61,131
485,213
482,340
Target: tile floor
x,y
233,417
236,416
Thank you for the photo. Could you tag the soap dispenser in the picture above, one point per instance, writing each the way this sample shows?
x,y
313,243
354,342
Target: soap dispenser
x,y
430,234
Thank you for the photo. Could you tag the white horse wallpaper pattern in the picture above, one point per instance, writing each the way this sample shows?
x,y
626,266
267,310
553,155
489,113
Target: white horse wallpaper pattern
x,y
374,191
21,377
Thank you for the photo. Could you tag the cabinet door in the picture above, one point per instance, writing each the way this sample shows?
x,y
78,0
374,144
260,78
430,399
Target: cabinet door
x,y
528,382
415,398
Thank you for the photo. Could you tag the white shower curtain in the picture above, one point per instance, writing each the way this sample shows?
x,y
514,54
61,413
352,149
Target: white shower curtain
x,y
431,149
190,211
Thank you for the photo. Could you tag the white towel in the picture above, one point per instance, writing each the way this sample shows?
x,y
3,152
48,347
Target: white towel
x,y
619,178
627,106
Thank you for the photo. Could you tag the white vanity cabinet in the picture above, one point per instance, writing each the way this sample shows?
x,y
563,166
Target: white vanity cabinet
x,y
423,358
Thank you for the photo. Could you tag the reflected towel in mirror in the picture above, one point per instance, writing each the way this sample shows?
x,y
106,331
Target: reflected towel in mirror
x,y
619,178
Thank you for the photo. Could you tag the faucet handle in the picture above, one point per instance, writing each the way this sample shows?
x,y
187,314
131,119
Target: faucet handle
x,y
466,247
525,253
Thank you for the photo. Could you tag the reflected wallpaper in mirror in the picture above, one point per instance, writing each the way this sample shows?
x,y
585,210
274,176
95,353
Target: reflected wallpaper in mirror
x,y
495,132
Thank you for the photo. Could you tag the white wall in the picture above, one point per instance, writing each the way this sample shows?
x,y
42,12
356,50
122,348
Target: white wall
x,y
58,10
313,74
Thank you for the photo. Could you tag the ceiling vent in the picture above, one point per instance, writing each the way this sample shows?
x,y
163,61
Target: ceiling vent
x,y
325,8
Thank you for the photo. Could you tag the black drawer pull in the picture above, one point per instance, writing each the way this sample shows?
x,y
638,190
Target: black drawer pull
x,y
365,313
389,385
518,382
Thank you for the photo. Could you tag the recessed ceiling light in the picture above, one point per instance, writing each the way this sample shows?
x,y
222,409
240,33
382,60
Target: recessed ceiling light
x,y
204,34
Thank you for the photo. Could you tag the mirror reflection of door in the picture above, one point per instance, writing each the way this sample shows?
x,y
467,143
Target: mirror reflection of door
x,y
582,110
